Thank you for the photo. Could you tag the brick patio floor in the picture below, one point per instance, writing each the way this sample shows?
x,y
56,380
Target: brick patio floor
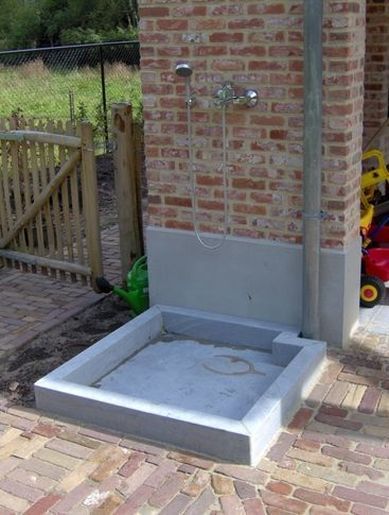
x,y
332,458
33,303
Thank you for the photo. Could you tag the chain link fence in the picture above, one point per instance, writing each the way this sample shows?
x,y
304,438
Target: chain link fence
x,y
71,83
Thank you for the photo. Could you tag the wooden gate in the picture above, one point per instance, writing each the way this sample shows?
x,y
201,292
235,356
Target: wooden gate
x,y
49,219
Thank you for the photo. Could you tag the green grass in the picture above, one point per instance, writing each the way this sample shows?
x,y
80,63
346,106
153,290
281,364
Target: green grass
x,y
38,92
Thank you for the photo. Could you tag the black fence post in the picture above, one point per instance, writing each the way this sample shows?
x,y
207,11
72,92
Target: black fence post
x,y
104,97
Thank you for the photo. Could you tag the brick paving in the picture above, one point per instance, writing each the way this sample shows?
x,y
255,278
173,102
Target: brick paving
x,y
332,458
33,303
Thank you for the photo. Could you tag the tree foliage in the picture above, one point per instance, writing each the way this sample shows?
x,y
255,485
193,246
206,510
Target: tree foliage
x,y
37,23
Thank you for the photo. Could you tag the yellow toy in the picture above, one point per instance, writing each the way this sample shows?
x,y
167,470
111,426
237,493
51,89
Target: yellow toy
x,y
366,220
374,232
372,178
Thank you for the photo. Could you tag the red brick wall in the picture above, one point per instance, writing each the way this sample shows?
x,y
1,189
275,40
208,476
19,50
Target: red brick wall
x,y
377,70
259,45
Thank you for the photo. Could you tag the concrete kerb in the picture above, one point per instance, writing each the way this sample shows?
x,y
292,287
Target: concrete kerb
x,y
210,428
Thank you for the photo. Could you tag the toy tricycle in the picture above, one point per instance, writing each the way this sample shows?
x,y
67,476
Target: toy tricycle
x,y
373,179
375,233
375,272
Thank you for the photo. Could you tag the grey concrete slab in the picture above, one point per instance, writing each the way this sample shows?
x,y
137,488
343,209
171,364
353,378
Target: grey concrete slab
x,y
222,399
258,279
216,379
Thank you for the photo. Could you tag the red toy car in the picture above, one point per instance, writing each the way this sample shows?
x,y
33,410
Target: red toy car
x,y
375,266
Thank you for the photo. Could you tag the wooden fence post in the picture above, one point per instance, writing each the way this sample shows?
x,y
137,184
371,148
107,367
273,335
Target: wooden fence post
x,y
90,201
126,185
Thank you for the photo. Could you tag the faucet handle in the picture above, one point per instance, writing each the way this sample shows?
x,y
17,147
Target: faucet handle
x,y
251,97
248,99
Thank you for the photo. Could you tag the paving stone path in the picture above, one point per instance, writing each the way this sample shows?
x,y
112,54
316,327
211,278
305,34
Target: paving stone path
x,y
332,458
33,303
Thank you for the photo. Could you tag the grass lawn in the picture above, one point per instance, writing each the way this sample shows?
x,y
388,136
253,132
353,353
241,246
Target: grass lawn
x,y
38,92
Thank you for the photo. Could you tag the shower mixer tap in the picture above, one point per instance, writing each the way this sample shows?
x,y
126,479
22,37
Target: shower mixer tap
x,y
226,95
223,97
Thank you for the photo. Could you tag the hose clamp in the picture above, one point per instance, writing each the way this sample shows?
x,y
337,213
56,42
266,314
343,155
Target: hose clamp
x,y
321,215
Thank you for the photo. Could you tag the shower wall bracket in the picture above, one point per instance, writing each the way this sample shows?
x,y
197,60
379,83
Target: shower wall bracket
x,y
190,99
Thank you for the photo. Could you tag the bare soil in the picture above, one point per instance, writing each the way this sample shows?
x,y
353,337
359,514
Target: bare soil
x,y
107,195
51,349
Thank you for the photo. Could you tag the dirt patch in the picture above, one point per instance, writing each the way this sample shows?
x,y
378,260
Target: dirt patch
x,y
107,193
48,351
106,186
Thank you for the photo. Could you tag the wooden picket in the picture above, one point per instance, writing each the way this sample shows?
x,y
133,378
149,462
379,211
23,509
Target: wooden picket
x,y
128,161
49,220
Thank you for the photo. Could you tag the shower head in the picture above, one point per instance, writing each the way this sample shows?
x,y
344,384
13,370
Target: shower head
x,y
184,70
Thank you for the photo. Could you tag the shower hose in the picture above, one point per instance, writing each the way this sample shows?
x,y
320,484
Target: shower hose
x,y
202,241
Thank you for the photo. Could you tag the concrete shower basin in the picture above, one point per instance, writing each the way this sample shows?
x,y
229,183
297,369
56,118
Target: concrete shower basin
x,y
211,384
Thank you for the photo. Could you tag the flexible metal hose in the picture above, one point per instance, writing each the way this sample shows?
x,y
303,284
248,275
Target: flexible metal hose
x,y
202,241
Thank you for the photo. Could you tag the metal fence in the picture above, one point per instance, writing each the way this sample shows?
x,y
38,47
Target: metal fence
x,y
71,83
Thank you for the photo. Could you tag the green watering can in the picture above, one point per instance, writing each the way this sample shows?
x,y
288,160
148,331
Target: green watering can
x,y
137,293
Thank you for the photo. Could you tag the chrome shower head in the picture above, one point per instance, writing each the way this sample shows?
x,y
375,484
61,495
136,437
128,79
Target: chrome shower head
x,y
184,70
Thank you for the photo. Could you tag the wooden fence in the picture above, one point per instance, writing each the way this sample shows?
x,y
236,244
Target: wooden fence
x,y
49,220
127,137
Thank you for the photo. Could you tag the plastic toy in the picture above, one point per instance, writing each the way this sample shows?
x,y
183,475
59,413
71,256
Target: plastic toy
x,y
374,232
